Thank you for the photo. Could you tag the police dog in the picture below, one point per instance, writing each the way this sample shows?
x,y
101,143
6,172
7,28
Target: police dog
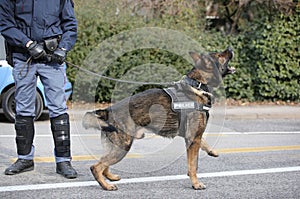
x,y
132,117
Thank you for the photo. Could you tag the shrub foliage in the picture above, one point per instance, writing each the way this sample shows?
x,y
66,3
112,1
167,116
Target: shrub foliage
x,y
266,52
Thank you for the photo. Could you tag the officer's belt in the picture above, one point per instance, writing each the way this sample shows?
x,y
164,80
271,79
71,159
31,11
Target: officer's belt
x,y
16,49
50,46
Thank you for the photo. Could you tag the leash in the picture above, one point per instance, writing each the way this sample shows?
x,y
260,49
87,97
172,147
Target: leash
x,y
27,63
120,80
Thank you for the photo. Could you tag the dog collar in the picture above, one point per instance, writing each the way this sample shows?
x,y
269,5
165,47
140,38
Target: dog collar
x,y
195,84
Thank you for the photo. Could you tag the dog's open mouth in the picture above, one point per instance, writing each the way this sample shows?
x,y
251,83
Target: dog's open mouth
x,y
231,70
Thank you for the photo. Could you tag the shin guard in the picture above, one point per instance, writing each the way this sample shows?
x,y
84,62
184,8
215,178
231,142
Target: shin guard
x,y
25,133
60,127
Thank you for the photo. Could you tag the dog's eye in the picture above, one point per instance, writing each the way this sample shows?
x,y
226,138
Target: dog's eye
x,y
223,69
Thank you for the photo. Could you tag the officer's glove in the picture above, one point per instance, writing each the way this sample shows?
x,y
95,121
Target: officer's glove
x,y
36,50
59,55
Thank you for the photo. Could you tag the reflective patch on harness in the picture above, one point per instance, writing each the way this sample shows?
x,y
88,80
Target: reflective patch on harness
x,y
184,105
206,108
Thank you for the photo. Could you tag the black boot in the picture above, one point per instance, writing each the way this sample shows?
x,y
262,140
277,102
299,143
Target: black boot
x,y
20,166
66,170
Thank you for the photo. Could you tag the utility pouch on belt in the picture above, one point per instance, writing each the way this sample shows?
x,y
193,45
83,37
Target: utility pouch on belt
x,y
51,45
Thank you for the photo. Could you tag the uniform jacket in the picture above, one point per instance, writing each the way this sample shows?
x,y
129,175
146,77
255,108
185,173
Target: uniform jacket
x,y
37,20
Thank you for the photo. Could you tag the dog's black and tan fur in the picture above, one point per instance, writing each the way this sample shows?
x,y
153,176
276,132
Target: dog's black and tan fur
x,y
133,116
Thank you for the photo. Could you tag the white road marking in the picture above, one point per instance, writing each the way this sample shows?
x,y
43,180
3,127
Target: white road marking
x,y
147,179
50,135
260,133
207,133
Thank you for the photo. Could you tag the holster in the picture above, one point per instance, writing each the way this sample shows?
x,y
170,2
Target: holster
x,y
9,53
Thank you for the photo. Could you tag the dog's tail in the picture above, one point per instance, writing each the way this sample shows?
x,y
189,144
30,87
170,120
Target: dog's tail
x,y
95,119
102,114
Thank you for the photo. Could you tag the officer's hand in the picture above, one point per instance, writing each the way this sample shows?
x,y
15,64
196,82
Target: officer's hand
x,y
59,56
36,50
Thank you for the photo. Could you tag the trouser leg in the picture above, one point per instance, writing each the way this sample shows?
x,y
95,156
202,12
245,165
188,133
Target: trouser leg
x,y
25,81
53,79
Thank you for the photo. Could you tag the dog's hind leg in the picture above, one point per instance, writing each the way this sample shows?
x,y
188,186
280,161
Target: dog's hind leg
x,y
100,170
97,171
117,146
111,176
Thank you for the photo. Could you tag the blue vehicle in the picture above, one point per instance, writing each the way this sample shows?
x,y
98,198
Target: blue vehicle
x,y
7,89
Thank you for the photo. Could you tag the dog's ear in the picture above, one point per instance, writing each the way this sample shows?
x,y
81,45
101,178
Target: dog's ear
x,y
203,62
195,56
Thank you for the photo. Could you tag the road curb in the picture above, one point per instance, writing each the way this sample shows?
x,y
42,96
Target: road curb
x,y
262,112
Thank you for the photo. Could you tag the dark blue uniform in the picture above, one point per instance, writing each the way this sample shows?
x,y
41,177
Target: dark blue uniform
x,y
37,20
22,22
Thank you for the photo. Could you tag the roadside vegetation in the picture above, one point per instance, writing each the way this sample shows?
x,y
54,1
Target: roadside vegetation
x,y
263,34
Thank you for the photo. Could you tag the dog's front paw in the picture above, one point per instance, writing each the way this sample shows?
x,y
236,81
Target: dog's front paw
x,y
213,153
199,186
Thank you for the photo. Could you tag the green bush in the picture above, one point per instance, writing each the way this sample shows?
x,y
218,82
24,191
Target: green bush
x,y
266,55
278,71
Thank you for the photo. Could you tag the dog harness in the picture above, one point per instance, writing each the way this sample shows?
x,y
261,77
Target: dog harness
x,y
183,105
180,101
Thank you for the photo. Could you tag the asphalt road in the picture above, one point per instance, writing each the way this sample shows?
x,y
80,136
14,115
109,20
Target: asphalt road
x,y
259,158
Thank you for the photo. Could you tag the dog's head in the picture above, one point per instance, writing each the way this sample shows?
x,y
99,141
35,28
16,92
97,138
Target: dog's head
x,y
211,68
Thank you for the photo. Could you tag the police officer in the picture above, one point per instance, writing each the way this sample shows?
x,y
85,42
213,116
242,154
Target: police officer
x,y
40,33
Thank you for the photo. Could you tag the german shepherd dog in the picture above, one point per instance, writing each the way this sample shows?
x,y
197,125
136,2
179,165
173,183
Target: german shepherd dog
x,y
133,116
